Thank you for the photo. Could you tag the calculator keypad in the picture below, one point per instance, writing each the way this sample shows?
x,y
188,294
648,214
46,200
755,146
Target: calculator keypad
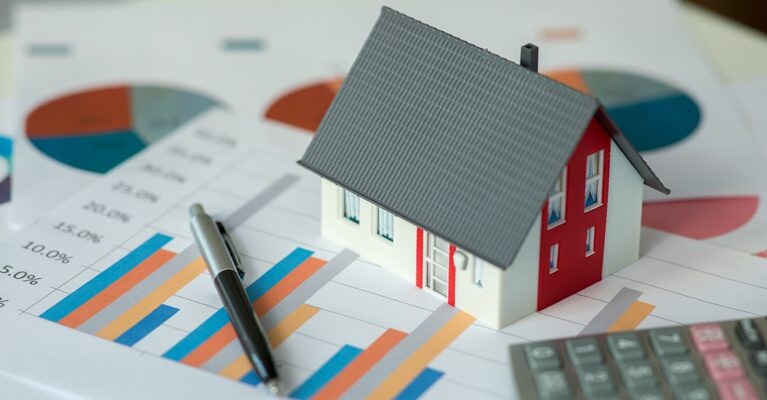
x,y
726,361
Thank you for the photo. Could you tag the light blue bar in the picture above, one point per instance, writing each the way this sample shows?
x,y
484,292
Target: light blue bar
x,y
251,378
255,290
147,325
105,278
420,384
326,373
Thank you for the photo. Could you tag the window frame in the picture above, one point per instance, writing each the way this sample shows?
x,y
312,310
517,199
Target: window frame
x,y
591,240
479,271
563,195
554,255
596,178
377,226
345,195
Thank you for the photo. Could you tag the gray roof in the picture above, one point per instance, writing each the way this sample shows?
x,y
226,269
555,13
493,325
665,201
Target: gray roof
x,y
451,137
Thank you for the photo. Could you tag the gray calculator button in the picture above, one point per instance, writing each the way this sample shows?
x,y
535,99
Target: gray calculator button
x,y
602,396
584,351
638,375
680,370
649,394
692,392
595,379
668,342
625,346
542,356
748,334
552,385
759,361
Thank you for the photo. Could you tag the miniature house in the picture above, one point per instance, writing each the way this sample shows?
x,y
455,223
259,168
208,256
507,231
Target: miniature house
x,y
478,179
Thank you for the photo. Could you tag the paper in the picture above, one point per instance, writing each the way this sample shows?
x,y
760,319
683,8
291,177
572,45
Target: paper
x,y
165,306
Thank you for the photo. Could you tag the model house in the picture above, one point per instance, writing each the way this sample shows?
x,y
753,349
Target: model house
x,y
494,187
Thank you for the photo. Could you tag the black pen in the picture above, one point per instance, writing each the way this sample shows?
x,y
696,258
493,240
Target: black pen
x,y
224,266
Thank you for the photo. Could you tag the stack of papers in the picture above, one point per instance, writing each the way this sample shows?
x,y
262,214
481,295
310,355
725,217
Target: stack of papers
x,y
104,283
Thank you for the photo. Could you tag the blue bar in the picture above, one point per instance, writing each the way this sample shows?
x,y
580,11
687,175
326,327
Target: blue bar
x,y
147,325
255,290
420,384
105,278
251,378
326,373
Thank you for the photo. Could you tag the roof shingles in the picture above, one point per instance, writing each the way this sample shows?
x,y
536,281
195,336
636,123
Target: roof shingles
x,y
449,136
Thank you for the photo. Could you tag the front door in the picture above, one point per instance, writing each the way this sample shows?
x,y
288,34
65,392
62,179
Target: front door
x,y
437,263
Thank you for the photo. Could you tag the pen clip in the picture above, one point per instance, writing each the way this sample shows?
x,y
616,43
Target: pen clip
x,y
231,249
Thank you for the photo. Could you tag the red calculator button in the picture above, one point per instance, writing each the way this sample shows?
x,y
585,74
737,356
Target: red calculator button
x,y
739,389
723,365
708,337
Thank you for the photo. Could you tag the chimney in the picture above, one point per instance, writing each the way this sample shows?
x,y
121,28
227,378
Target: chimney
x,y
528,57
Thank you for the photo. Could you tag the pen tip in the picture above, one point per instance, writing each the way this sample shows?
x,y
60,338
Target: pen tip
x,y
195,209
273,386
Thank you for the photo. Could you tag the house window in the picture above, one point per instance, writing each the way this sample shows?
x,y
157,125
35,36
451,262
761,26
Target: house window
x,y
590,241
351,207
554,258
479,271
593,181
557,201
385,226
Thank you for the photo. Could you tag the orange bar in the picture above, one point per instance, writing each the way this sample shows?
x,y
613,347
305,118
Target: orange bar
x,y
571,77
420,359
287,285
634,315
210,347
237,369
360,365
117,289
290,324
152,300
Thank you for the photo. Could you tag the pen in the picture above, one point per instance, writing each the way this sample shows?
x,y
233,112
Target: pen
x,y
224,266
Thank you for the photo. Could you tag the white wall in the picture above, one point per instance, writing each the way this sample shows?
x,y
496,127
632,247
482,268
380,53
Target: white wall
x,y
482,302
519,294
398,256
624,213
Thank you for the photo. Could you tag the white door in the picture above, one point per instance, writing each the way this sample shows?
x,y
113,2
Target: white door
x,y
437,264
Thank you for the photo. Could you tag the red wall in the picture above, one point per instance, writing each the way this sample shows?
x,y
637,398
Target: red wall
x,y
576,271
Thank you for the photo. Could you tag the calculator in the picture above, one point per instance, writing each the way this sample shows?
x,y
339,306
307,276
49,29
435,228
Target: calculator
x,y
723,360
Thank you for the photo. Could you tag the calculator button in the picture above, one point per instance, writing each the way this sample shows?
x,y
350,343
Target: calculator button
x,y
542,356
584,351
723,365
748,334
759,361
692,392
595,379
738,389
638,375
646,394
625,346
552,385
708,337
668,342
680,371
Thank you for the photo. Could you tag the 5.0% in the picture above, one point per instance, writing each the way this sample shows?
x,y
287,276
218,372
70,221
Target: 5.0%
x,y
21,276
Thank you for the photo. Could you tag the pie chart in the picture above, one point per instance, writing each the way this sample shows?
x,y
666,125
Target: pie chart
x,y
304,107
651,113
700,218
6,146
97,129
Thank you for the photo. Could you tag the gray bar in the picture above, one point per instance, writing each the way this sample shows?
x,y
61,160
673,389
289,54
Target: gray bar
x,y
614,309
181,260
49,49
243,44
137,293
263,198
224,357
289,304
394,358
